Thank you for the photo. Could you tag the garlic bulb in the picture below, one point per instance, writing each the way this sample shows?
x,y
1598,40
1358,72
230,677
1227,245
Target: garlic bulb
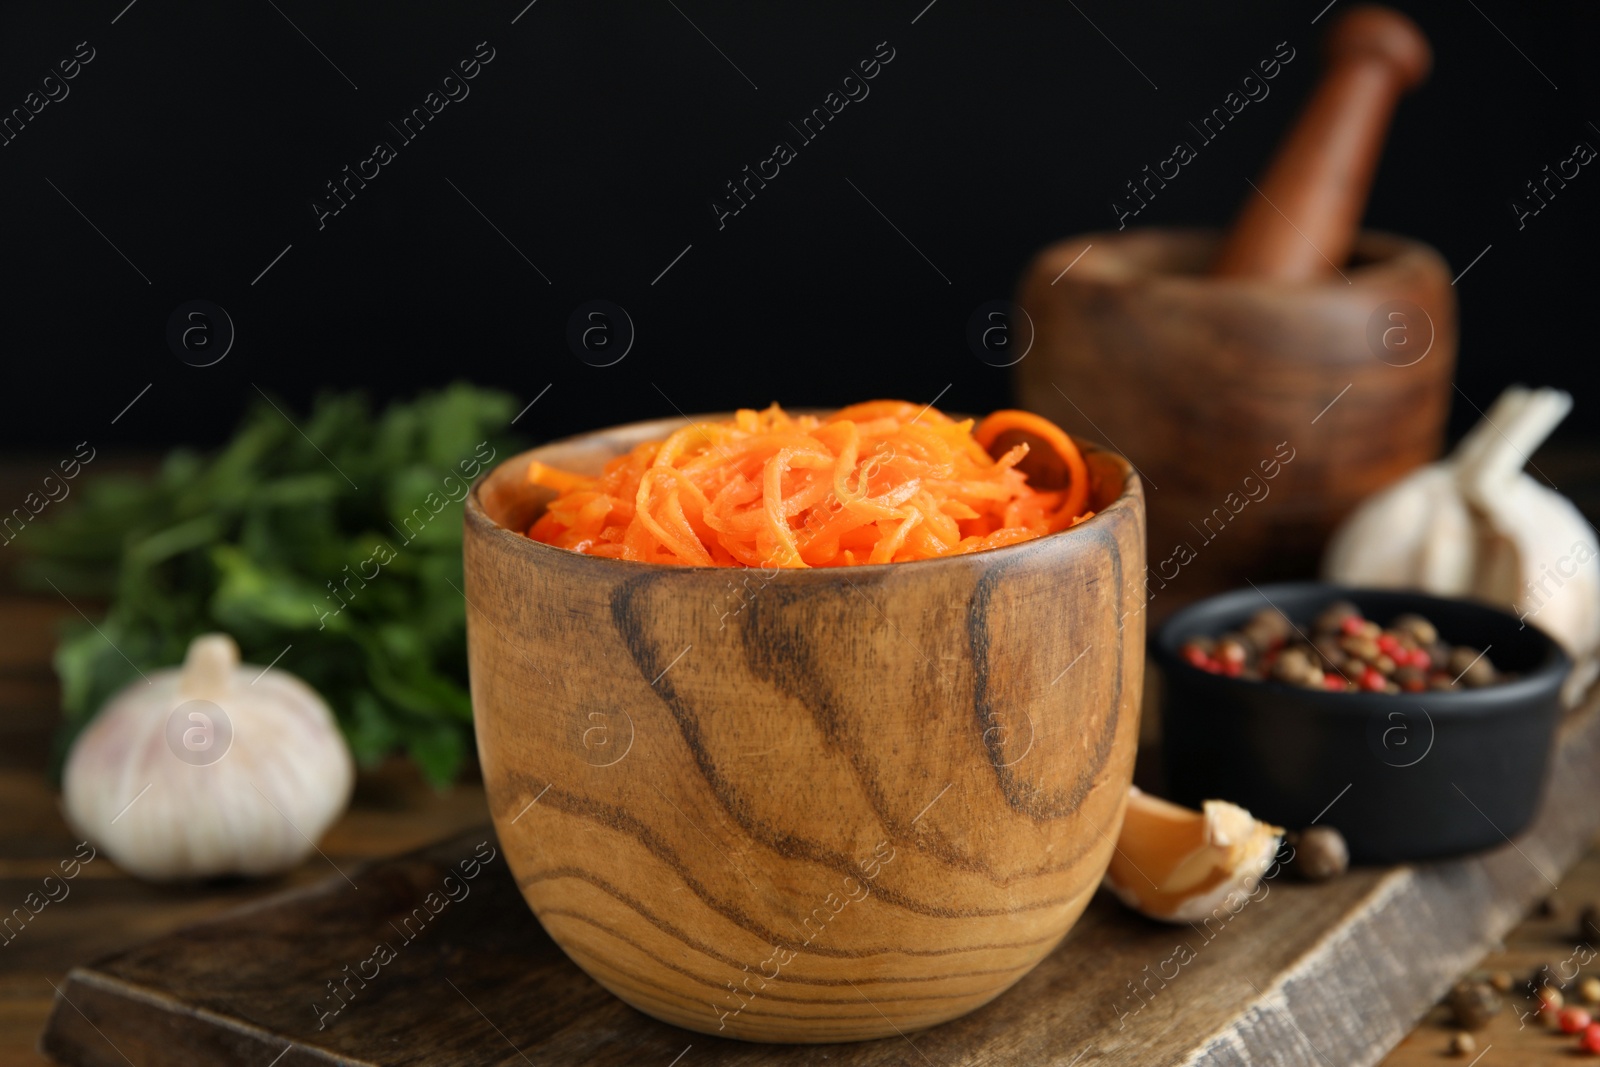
x,y
1475,525
215,768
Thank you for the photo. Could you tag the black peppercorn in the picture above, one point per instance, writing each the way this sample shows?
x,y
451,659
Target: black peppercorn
x,y
1320,854
1473,1003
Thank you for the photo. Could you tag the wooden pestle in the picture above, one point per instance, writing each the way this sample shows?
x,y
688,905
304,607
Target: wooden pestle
x,y
1302,222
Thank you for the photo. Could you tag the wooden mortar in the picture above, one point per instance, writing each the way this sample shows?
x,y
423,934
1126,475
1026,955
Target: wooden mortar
x,y
1201,380
1266,382
805,805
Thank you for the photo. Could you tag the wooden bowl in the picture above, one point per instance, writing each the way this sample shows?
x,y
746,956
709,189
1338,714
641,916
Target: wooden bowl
x,y
805,805
1203,382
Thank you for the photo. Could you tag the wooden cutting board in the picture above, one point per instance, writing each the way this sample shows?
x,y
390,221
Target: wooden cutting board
x,y
1317,975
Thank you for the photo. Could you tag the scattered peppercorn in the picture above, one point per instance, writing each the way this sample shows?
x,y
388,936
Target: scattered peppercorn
x,y
1320,853
1574,1020
1462,1044
1590,1041
1547,976
1501,981
1589,990
1473,1003
1550,999
1344,652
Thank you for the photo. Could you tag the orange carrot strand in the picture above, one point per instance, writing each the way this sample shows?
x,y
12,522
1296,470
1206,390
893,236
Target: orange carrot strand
x,y
886,481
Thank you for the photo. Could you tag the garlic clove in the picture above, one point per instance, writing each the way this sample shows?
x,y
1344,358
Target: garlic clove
x,y
1179,865
215,768
1418,531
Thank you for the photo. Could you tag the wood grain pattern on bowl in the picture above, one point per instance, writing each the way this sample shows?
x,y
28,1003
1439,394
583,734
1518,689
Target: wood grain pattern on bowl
x,y
805,805
1198,380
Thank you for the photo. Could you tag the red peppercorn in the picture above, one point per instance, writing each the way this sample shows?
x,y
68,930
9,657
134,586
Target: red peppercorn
x,y
1194,656
1352,625
1414,685
1421,660
1373,681
1390,644
1232,667
1333,681
1590,1041
1573,1020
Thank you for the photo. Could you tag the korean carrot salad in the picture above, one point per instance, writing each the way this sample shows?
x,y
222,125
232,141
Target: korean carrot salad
x,y
881,482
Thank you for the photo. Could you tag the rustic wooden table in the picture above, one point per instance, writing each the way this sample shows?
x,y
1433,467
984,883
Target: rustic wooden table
x,y
394,811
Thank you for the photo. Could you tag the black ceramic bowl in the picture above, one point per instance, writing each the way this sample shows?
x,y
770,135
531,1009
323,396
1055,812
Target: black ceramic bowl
x,y
1402,776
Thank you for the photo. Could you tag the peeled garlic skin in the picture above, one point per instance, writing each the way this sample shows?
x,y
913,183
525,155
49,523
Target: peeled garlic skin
x,y
256,810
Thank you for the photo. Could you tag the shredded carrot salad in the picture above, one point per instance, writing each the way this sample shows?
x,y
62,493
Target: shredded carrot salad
x,y
879,482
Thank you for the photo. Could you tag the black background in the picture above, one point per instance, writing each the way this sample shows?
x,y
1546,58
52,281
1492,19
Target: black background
x,y
199,136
